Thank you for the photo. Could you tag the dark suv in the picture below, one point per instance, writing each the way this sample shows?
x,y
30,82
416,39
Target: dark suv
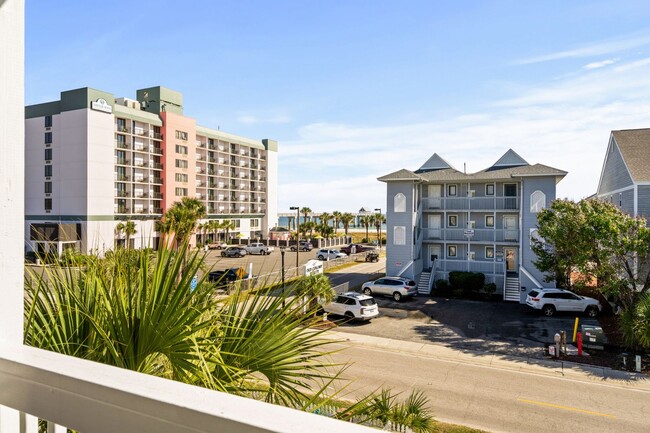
x,y
304,246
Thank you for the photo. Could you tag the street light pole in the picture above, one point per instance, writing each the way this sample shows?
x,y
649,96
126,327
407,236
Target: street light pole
x,y
282,254
297,209
379,231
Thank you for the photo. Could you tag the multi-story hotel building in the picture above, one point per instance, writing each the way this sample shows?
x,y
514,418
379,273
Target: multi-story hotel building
x,y
94,161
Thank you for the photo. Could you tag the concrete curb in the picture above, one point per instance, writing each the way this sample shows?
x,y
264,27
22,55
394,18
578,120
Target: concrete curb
x,y
556,368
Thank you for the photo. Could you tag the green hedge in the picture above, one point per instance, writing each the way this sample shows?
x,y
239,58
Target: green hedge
x,y
467,281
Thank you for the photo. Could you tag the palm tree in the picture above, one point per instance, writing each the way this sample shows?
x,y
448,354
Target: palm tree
x,y
346,219
311,226
181,219
315,289
378,220
227,226
336,215
305,211
129,230
367,221
325,218
119,228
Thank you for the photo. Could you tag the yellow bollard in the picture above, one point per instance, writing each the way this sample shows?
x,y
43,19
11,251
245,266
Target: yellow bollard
x,y
575,330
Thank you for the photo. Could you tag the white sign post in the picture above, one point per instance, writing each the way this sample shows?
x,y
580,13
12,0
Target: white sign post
x,y
313,267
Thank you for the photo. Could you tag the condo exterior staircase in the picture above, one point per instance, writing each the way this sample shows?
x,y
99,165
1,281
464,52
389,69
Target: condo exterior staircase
x,y
511,292
423,283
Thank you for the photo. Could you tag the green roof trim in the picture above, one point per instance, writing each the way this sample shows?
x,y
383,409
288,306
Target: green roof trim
x,y
42,110
139,115
232,138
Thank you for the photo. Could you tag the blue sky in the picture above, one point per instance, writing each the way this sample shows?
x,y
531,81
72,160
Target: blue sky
x,y
353,90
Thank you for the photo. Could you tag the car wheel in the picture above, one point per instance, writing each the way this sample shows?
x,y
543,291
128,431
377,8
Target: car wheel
x,y
349,315
367,291
292,249
591,311
397,296
321,257
223,254
548,310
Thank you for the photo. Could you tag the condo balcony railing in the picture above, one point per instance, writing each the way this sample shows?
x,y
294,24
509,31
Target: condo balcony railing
x,y
121,161
157,180
122,178
157,195
470,203
123,129
156,150
138,147
472,235
491,268
121,144
123,193
124,210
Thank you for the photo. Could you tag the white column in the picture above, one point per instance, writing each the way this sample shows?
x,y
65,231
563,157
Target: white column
x,y
12,169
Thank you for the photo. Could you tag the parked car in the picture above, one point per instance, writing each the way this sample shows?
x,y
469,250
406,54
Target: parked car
x,y
354,306
549,301
326,254
220,245
258,248
303,246
397,287
358,248
234,252
227,276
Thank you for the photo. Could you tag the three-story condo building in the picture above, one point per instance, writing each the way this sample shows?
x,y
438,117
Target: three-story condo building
x,y
440,220
95,162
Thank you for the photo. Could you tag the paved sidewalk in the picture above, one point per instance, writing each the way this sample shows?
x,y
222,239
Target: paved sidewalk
x,y
533,365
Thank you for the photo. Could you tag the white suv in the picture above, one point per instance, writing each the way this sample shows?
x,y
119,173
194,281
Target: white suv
x,y
325,254
353,305
548,301
397,287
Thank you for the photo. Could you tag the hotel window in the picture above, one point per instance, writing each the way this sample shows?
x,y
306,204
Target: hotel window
x,y
181,135
452,190
181,149
48,204
48,170
48,154
181,192
48,187
537,201
489,189
489,220
48,121
255,222
181,177
451,251
121,125
181,163
399,235
452,221
48,138
489,252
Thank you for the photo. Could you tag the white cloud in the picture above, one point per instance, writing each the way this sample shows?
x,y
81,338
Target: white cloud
x,y
601,64
596,49
564,124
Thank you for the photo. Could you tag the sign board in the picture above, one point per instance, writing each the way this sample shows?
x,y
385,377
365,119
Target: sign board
x,y
101,105
468,232
499,256
313,267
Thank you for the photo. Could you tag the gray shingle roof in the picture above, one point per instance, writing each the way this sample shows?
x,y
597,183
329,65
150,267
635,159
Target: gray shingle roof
x,y
402,174
635,148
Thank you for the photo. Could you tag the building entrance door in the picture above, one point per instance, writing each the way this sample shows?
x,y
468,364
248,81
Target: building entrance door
x,y
511,259
435,194
435,252
435,225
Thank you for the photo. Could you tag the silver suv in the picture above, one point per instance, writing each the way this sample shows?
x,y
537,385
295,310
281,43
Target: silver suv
x,y
397,287
548,301
353,305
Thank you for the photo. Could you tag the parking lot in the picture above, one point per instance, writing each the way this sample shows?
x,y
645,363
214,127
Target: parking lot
x,y
501,327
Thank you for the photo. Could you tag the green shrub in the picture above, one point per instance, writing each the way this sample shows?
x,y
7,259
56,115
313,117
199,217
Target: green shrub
x,y
442,285
467,281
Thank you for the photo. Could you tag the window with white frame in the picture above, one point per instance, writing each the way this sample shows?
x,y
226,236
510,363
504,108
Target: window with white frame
x,y
489,189
399,202
452,190
399,235
452,220
489,220
537,201
451,251
489,252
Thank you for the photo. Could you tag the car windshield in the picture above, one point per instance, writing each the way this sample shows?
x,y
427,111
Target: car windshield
x,y
366,302
533,293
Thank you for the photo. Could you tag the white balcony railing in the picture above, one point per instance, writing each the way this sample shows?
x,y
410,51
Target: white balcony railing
x,y
92,397
478,235
470,203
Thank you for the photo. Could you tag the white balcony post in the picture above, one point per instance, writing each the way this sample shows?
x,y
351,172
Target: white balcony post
x,y
12,169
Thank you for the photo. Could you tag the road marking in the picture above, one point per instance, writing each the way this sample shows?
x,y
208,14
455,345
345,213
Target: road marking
x,y
569,408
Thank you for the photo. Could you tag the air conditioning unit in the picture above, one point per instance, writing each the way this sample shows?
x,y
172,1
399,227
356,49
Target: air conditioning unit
x,y
471,255
471,193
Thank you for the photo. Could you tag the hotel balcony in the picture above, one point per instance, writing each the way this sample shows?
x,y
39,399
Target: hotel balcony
x,y
474,235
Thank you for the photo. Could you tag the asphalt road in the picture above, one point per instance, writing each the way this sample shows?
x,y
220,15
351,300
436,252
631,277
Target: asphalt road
x,y
505,397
